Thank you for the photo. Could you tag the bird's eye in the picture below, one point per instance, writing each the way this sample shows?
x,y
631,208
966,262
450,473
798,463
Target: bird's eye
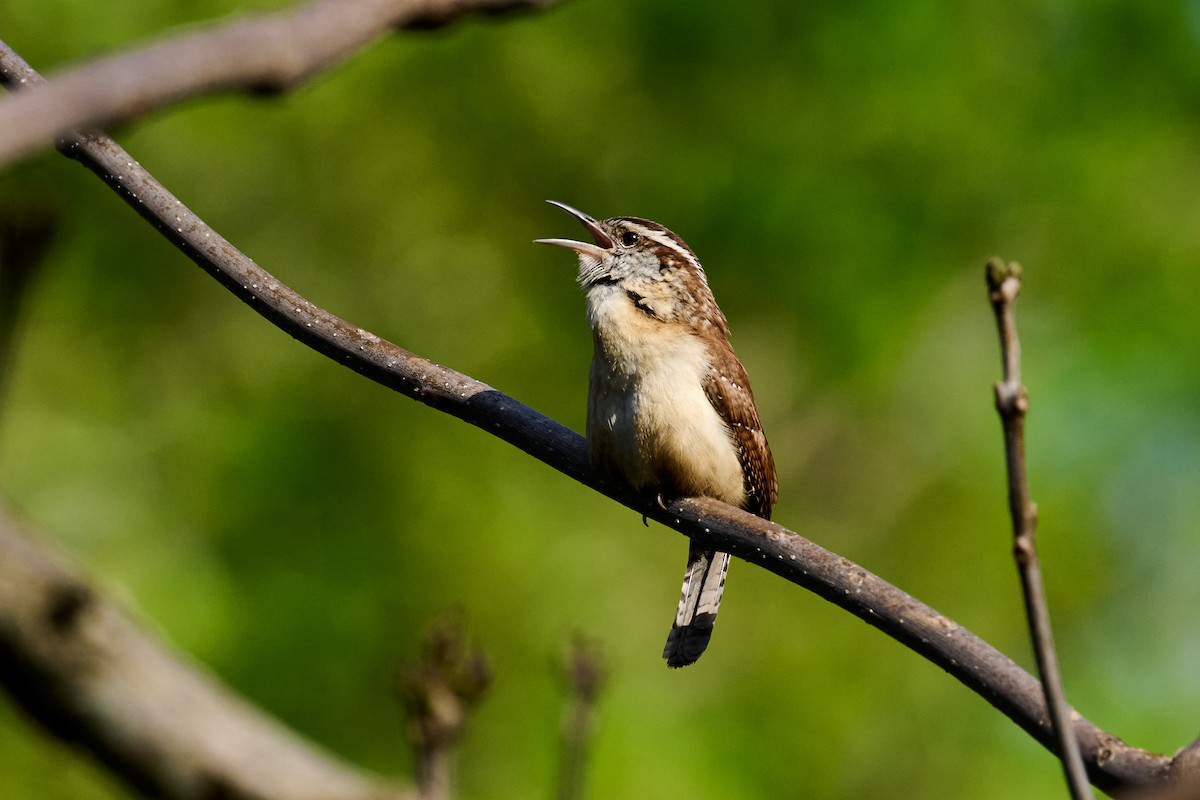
x,y
629,238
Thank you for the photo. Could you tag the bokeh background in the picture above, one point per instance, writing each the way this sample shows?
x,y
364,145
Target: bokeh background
x,y
843,170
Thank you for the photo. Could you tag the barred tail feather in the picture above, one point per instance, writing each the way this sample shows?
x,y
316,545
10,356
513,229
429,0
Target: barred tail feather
x,y
703,584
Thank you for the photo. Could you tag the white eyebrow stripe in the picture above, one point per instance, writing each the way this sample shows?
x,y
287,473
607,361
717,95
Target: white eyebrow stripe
x,y
664,238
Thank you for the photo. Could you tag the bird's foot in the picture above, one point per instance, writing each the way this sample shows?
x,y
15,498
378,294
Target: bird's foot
x,y
658,501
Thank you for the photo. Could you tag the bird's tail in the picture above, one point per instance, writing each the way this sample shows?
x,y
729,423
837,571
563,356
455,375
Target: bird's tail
x,y
703,584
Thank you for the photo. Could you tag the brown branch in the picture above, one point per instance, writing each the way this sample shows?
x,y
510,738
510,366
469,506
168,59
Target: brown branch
x,y
260,53
1012,402
1182,780
1113,765
77,664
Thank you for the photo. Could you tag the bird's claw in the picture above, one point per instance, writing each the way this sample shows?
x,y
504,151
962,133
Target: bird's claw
x,y
658,501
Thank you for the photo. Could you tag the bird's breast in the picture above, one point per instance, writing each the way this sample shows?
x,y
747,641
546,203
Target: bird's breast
x,y
649,419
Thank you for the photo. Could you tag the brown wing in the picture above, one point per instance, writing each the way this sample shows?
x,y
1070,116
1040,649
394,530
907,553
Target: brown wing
x,y
728,389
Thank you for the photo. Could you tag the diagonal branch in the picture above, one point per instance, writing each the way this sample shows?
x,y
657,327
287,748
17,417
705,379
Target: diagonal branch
x,y
261,53
81,667
1012,402
1113,765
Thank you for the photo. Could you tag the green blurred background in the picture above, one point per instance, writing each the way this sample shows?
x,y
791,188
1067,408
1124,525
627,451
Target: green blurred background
x,y
843,170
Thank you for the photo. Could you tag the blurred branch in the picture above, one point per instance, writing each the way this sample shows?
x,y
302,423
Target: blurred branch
x,y
77,664
439,693
1012,402
1113,765
585,674
26,233
260,53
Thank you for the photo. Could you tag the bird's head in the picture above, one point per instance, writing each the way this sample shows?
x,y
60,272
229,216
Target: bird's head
x,y
627,249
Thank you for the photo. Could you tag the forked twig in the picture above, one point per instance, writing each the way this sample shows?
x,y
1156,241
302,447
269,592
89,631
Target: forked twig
x,y
1004,284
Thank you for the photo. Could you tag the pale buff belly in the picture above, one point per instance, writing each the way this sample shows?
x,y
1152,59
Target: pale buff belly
x,y
650,422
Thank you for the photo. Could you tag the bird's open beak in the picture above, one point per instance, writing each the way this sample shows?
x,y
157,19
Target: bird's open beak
x,y
603,243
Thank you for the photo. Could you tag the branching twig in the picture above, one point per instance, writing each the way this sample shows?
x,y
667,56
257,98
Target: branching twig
x,y
77,664
1114,765
1004,283
439,692
261,53
585,674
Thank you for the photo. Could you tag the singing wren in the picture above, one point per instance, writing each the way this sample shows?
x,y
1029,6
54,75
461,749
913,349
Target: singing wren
x,y
670,410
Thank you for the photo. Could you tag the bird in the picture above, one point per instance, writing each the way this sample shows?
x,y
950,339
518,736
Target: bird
x,y
670,410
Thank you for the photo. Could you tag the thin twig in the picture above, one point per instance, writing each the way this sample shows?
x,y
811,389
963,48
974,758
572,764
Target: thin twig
x,y
978,665
260,53
1012,402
